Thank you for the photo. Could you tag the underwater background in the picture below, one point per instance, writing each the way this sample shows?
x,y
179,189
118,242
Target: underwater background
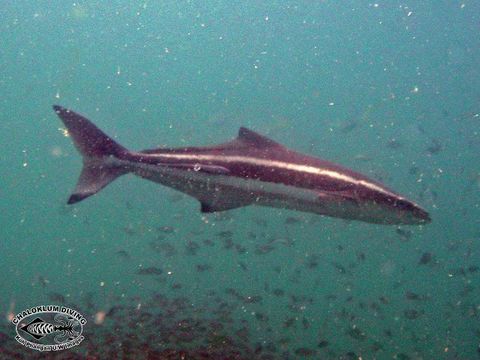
x,y
389,88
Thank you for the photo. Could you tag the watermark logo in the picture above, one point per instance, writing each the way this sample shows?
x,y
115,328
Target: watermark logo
x,y
49,327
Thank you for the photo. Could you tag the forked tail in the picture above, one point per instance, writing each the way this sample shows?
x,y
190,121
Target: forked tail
x,y
97,150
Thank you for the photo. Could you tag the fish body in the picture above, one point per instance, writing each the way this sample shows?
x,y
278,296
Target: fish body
x,y
249,170
39,328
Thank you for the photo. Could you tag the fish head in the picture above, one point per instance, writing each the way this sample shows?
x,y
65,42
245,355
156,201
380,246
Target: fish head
x,y
408,213
393,210
378,207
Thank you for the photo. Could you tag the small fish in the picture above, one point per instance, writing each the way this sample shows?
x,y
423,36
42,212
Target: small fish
x,y
281,240
426,258
410,295
123,254
242,265
228,243
114,310
253,299
289,322
313,261
203,267
348,126
356,333
278,292
152,270
323,343
233,292
362,157
377,346
412,314
394,144
384,300
129,230
56,297
305,352
208,242
264,249
192,247
305,323
414,170
260,221
165,248
176,197
261,317
240,249
43,281
225,234
340,268
473,268
4,338
405,235
242,333
458,272
292,220
166,229
435,147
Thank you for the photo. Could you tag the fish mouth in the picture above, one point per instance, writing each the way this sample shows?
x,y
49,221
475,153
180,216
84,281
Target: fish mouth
x,y
414,214
422,216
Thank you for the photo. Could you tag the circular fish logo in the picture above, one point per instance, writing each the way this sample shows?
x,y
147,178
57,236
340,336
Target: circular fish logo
x,y
49,327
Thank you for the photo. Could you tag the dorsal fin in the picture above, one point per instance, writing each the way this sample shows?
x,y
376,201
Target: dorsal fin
x,y
246,139
251,137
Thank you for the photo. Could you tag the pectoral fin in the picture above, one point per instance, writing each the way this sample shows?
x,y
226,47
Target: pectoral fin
x,y
217,206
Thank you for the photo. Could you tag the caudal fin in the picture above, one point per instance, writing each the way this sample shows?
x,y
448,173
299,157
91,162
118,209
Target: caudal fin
x,y
97,150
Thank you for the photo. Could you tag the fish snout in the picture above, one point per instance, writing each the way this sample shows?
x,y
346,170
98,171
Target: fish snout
x,y
416,214
422,215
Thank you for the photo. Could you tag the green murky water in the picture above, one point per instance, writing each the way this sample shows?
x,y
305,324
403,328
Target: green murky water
x,y
390,89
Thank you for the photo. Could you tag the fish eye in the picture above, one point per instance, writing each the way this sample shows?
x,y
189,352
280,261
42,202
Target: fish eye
x,y
404,205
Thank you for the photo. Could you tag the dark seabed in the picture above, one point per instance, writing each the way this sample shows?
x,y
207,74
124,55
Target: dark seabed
x,y
389,89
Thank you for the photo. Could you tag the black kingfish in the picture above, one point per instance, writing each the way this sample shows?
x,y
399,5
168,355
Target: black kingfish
x,y
249,170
